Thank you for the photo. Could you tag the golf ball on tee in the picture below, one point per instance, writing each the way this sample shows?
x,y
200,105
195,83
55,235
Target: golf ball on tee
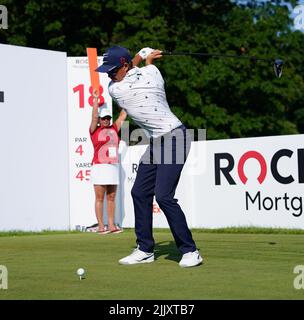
x,y
80,272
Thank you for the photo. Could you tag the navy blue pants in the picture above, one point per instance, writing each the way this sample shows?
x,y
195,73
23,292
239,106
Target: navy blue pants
x,y
158,174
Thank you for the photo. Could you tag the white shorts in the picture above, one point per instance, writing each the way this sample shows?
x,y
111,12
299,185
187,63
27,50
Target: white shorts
x,y
105,174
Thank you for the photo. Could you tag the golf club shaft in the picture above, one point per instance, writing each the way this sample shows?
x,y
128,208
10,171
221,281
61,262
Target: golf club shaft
x,y
205,54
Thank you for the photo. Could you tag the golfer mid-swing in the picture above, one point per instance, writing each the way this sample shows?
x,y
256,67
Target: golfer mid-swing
x,y
140,91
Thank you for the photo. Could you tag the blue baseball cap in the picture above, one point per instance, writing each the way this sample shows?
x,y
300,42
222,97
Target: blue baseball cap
x,y
114,57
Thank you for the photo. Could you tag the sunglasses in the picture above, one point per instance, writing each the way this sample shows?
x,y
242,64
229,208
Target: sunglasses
x,y
112,73
106,118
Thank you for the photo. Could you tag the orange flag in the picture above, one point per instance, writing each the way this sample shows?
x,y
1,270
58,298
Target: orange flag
x,y
93,65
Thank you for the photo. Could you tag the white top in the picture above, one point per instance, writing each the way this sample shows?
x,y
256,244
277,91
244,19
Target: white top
x,y
142,94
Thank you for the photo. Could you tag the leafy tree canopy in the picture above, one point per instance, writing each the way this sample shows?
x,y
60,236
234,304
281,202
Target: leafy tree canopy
x,y
229,97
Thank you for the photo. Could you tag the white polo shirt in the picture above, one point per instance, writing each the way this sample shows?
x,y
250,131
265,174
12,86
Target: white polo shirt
x,y
142,94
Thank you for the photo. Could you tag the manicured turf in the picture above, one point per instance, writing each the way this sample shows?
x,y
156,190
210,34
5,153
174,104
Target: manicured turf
x,y
236,266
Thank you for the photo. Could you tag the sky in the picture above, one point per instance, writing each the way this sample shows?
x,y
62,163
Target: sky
x,y
296,13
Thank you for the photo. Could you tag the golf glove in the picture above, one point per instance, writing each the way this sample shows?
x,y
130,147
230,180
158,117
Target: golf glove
x,y
144,52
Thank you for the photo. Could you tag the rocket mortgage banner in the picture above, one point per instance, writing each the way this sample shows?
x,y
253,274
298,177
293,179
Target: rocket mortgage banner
x,y
235,182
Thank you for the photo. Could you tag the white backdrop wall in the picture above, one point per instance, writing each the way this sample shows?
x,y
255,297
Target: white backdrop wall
x,y
46,154
34,139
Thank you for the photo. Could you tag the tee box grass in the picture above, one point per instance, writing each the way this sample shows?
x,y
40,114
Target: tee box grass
x,y
238,264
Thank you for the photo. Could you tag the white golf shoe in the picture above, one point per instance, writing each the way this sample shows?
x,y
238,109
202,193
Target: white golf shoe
x,y
191,259
137,256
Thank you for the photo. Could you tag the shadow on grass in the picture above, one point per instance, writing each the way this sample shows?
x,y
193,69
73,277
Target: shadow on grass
x,y
168,249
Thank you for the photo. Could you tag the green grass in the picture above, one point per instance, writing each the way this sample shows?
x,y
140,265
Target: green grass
x,y
242,230
17,233
237,266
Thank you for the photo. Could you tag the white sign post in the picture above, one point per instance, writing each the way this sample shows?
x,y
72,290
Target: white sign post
x,y
80,101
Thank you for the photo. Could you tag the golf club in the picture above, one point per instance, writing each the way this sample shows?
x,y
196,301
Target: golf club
x,y
277,63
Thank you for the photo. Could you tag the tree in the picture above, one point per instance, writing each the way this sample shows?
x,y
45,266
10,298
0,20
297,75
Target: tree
x,y
229,97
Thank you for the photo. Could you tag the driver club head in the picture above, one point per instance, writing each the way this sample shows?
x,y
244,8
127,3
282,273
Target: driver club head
x,y
278,67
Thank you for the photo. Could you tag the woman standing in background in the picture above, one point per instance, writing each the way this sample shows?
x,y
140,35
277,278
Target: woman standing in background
x,y
105,169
